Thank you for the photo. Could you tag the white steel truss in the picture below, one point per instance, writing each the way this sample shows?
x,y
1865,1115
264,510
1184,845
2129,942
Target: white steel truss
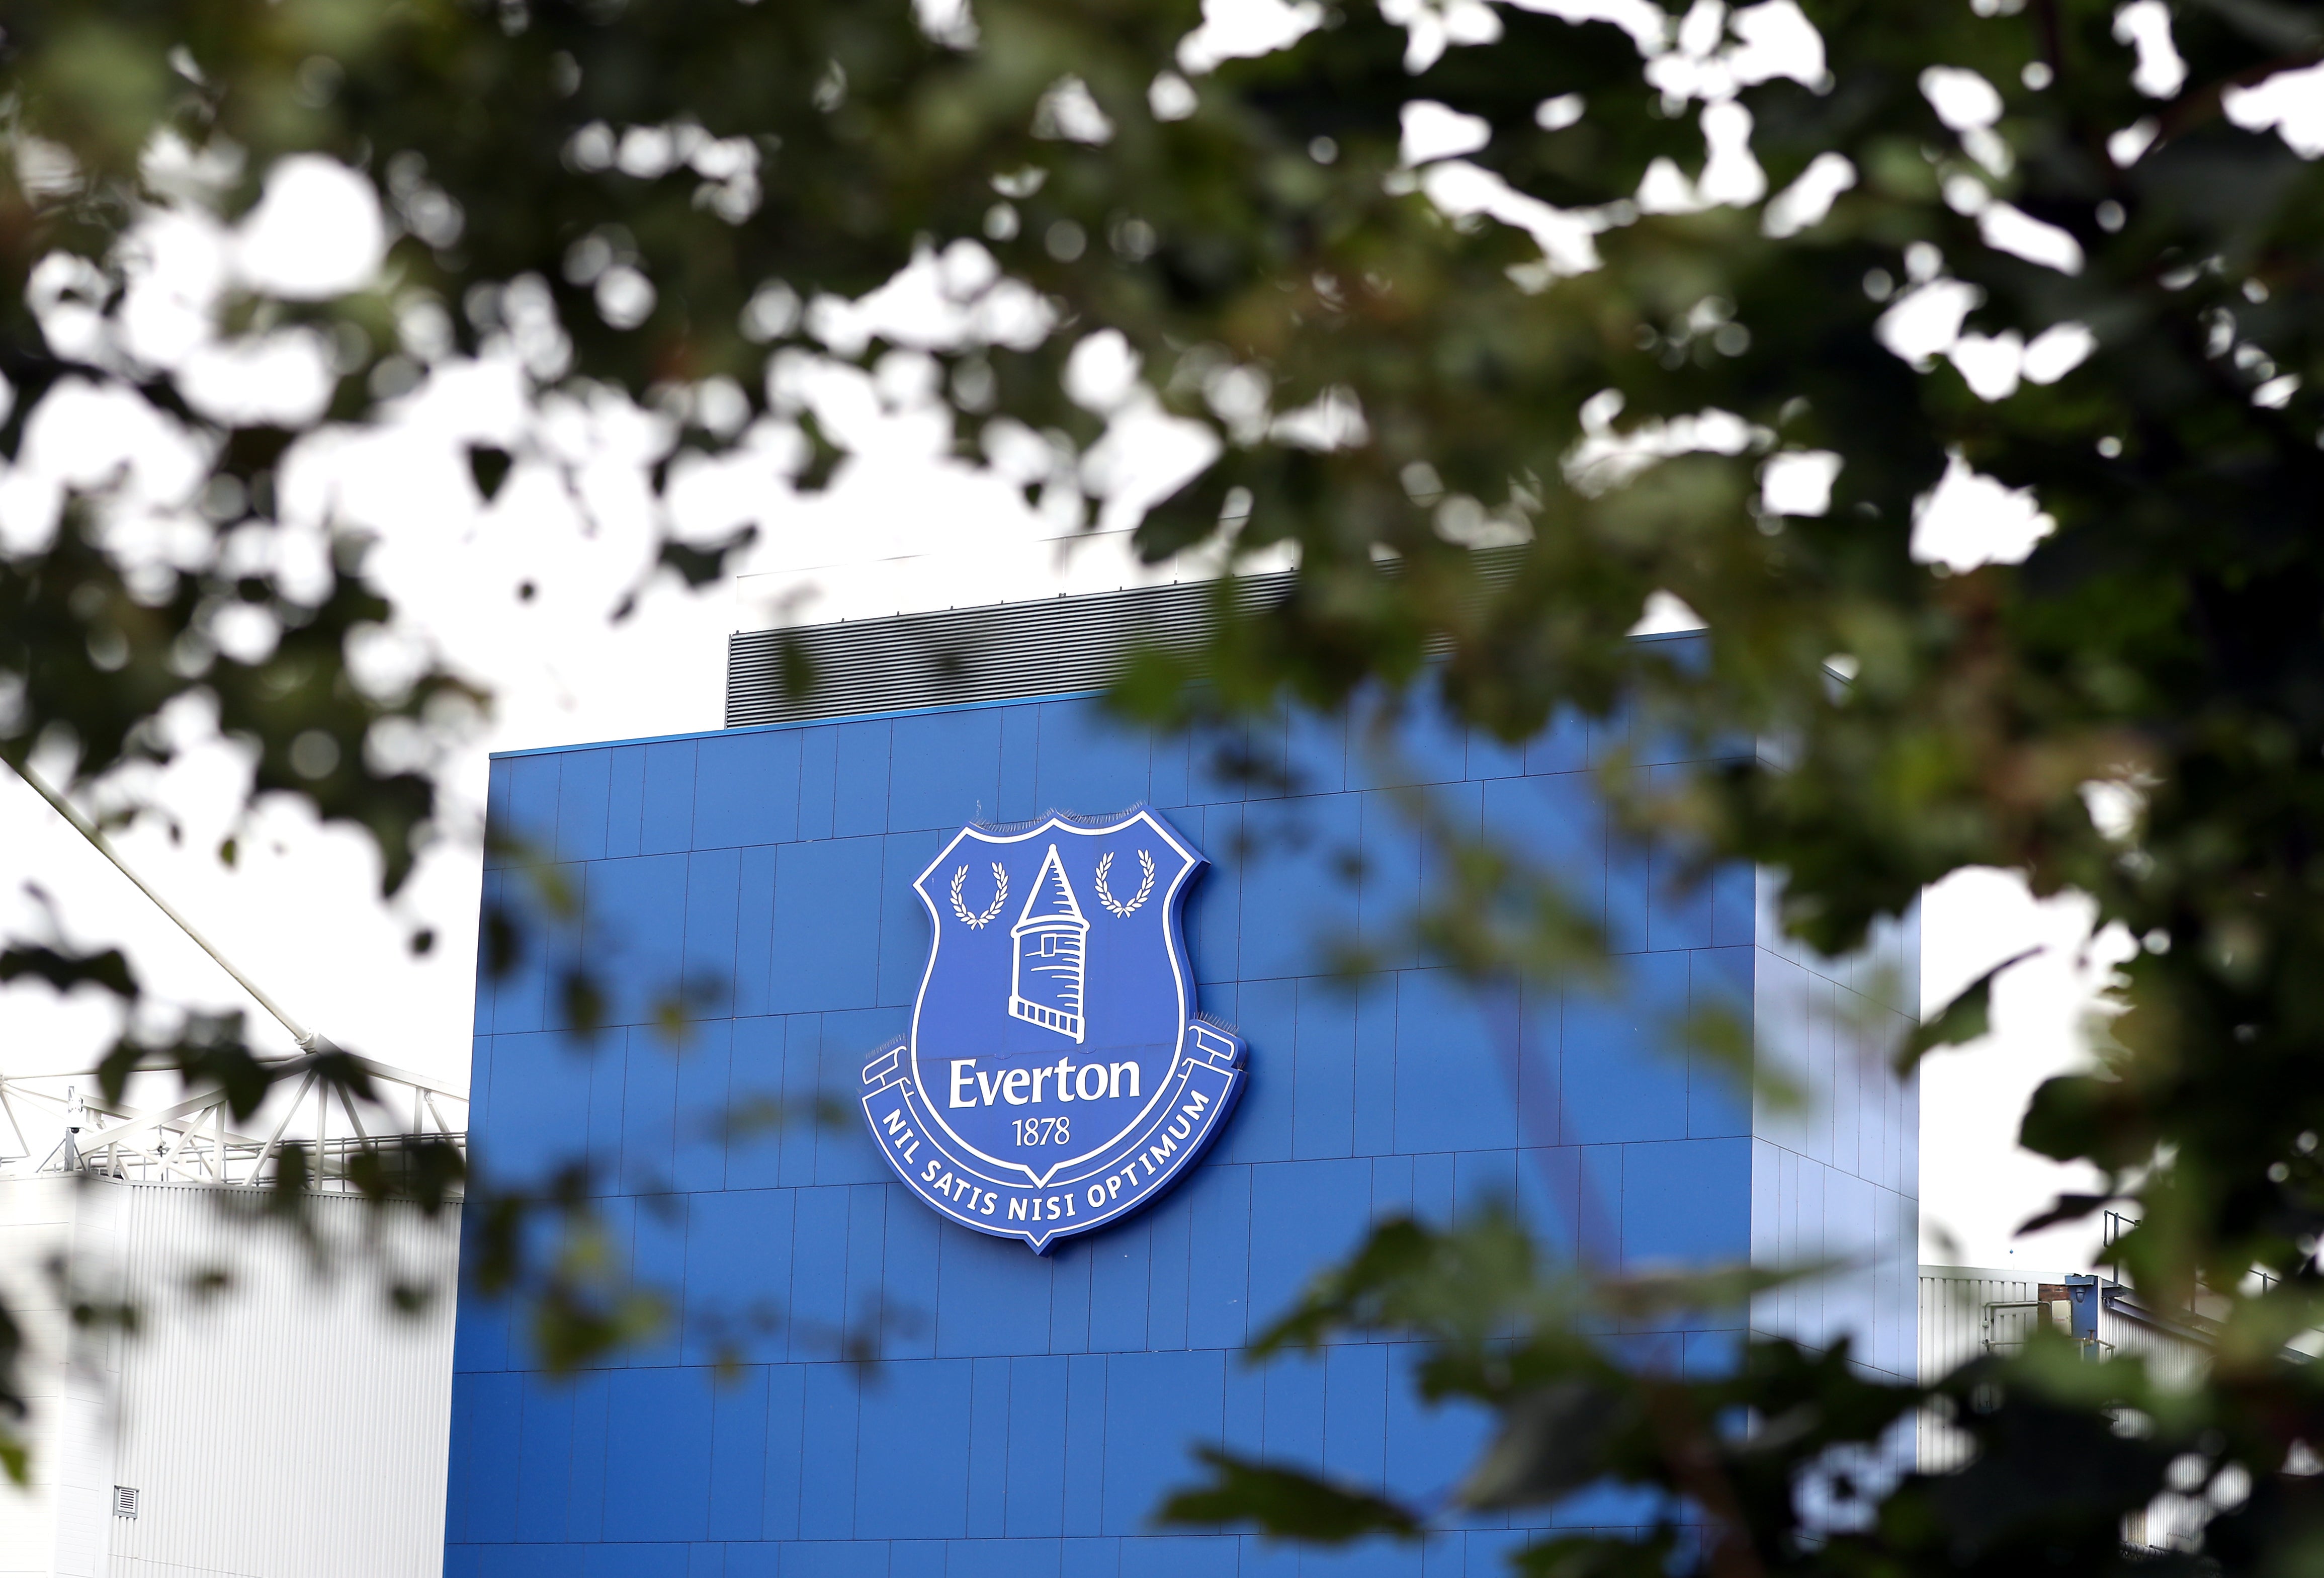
x,y
191,1140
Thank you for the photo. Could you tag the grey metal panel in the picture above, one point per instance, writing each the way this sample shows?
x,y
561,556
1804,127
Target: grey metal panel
x,y
1001,652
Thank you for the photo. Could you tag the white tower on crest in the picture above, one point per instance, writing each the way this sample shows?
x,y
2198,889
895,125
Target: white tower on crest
x,y
1052,939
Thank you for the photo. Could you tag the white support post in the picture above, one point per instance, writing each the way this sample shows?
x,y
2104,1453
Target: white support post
x,y
348,1106
24,1151
275,1139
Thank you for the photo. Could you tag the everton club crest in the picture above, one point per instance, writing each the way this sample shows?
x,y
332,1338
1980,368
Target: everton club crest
x,y
1057,1076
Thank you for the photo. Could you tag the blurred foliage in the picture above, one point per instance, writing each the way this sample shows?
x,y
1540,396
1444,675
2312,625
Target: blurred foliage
x,y
676,201
1793,1459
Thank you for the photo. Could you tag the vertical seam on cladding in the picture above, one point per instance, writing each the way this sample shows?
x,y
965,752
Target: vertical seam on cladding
x,y
799,792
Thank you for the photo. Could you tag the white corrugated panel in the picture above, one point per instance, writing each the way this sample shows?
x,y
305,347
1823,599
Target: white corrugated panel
x,y
1965,1309
57,1526
294,1425
2172,1360
2170,1522
290,1425
1957,1302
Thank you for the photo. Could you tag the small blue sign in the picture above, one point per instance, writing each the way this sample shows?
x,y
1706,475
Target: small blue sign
x,y
1058,1076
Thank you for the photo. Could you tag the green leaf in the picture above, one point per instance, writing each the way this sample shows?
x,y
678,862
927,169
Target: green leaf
x,y
1583,1555
2065,1208
1963,1020
1551,1443
1285,1503
489,464
64,970
2088,1116
698,565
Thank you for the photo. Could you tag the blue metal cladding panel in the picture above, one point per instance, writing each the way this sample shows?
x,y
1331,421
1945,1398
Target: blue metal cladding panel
x,y
748,912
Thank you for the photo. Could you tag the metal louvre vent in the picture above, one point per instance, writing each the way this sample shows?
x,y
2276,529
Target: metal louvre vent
x,y
1001,652
125,1502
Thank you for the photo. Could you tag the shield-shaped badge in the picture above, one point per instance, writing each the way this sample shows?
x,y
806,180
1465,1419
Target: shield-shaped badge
x,y
1057,1075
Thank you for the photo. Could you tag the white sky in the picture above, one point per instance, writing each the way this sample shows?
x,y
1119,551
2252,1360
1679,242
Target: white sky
x,y
903,528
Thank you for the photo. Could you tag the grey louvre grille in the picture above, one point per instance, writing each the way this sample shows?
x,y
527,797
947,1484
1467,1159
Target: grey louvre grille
x,y
125,1500
995,653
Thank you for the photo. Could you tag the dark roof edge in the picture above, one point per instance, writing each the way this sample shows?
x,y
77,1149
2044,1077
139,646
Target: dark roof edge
x,y
992,652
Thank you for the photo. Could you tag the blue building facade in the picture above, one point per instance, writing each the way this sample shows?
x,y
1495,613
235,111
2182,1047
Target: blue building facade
x,y
1028,1412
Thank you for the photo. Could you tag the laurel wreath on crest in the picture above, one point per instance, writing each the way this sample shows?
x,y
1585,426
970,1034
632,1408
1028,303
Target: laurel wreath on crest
x,y
1144,888
1000,896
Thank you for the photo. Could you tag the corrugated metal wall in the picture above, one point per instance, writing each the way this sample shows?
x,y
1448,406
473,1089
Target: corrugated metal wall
x,y
2170,1522
293,1426
2171,1360
1954,1302
56,1525
290,1427
1964,1308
